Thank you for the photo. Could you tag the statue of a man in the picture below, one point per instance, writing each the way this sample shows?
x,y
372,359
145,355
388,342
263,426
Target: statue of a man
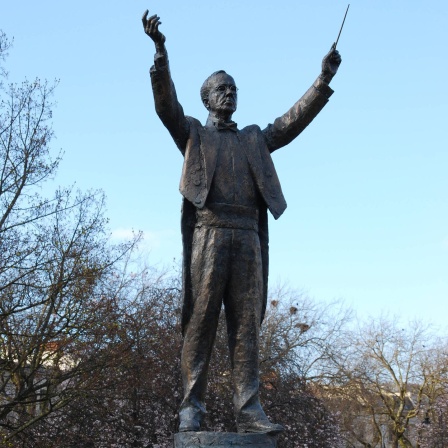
x,y
228,182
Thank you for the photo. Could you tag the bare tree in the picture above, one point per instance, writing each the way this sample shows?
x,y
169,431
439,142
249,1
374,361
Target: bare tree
x,y
5,45
433,431
388,379
135,401
55,257
300,335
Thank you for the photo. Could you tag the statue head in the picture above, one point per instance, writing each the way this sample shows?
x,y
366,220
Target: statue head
x,y
219,94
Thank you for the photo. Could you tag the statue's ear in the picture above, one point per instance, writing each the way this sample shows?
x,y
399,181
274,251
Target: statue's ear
x,y
206,103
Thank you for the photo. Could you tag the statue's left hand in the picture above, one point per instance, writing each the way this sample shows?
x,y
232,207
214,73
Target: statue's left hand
x,y
330,64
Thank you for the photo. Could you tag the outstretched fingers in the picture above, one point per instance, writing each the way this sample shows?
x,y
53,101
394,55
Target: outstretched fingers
x,y
149,21
154,22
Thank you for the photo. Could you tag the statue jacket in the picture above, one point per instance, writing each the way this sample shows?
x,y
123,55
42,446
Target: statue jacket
x,y
200,150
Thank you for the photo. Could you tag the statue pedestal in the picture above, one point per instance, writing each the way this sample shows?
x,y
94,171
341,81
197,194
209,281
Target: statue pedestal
x,y
223,440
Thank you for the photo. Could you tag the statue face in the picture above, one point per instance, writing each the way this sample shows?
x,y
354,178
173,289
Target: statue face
x,y
222,98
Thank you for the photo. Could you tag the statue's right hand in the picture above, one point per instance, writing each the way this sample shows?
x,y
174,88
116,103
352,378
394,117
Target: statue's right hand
x,y
151,27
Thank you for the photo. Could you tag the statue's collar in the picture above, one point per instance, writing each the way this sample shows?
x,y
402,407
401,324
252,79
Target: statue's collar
x,y
221,125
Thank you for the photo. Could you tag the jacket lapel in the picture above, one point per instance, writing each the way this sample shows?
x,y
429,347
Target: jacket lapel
x,y
210,150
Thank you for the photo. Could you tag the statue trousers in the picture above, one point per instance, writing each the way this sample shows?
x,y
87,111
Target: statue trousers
x,y
226,269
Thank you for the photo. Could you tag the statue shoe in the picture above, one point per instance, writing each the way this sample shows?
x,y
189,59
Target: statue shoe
x,y
189,425
190,420
262,425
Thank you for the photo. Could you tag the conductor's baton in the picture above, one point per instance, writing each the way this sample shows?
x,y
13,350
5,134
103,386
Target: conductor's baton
x,y
334,45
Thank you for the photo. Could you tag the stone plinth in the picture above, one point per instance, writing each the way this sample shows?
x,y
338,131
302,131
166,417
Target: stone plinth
x,y
223,440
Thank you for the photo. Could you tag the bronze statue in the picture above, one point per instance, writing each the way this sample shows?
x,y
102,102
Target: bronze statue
x,y
228,182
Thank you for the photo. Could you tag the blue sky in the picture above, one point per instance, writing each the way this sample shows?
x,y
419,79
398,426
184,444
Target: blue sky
x,y
366,183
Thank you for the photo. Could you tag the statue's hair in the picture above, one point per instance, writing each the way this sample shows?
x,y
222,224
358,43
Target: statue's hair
x,y
205,89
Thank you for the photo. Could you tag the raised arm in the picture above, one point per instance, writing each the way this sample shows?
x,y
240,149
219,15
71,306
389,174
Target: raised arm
x,y
168,107
287,127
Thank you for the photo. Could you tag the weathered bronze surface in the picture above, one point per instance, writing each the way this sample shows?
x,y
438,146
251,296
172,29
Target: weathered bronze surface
x,y
228,183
